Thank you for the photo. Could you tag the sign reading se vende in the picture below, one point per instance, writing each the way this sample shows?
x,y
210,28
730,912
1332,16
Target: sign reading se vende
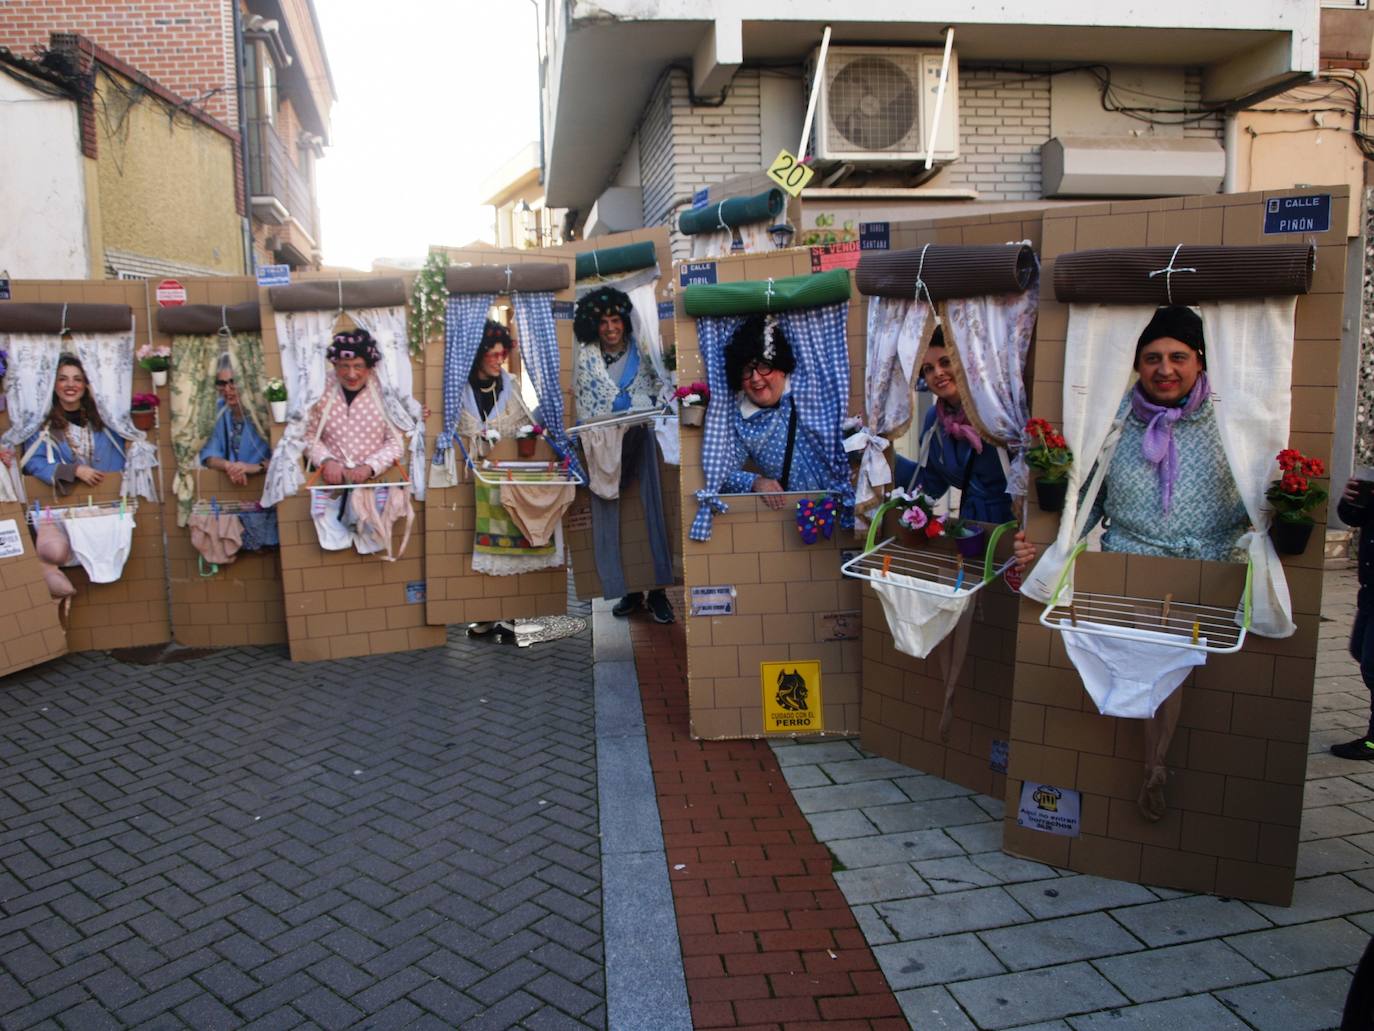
x,y
170,294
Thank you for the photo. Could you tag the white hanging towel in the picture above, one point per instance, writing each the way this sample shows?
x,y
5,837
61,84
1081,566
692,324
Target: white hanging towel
x,y
1129,678
918,619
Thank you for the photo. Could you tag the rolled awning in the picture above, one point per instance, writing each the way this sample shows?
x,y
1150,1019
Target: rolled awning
x,y
733,212
204,319
25,317
1183,274
947,271
326,294
499,279
756,297
615,260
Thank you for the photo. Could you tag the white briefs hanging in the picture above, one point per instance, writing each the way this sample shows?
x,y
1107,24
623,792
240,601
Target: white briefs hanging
x,y
1129,677
918,619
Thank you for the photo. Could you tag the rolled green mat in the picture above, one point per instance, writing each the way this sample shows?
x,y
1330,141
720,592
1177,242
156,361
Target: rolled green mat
x,y
613,260
734,211
758,296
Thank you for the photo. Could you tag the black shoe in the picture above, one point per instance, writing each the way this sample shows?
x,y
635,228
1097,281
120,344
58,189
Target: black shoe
x,y
630,603
659,606
1360,748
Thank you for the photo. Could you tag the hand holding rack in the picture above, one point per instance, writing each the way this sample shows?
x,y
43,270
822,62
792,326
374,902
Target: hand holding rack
x,y
1207,628
931,572
123,506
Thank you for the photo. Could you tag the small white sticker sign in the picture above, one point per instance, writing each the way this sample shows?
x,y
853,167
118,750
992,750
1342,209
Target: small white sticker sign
x,y
11,544
1047,808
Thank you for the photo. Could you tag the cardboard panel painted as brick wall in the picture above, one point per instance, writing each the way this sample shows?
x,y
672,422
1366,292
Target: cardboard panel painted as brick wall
x,y
634,538
242,603
339,604
133,610
457,594
1238,762
903,697
30,631
789,595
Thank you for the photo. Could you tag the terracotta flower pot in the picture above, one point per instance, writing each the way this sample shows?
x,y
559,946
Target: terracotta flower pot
x,y
144,419
691,415
1290,538
524,446
1050,495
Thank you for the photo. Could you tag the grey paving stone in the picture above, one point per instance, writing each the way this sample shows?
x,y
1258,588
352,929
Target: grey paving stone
x,y
1010,869
805,777
1193,1012
933,961
1302,948
879,883
1080,893
856,770
875,929
1178,970
910,816
1066,940
1311,1002
1011,1000
1188,919
978,837
850,824
1334,791
792,753
886,849
1319,897
957,873
952,913
849,796
1333,821
933,1009
927,786
1331,855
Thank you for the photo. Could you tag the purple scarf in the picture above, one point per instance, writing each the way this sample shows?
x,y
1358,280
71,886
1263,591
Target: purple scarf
x,y
1158,445
955,425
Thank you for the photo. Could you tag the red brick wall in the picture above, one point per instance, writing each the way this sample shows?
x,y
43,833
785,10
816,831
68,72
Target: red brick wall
x,y
186,45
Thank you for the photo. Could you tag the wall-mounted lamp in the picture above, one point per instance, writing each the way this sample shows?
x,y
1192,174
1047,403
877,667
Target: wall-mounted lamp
x,y
781,234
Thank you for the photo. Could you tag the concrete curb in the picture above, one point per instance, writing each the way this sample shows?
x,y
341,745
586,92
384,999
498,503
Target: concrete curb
x,y
645,984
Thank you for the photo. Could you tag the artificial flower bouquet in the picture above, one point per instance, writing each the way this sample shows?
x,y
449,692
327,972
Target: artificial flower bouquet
x,y
526,437
275,392
1294,495
1048,451
692,401
916,518
143,411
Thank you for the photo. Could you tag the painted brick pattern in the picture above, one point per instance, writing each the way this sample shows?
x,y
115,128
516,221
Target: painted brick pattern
x,y
1212,127
767,938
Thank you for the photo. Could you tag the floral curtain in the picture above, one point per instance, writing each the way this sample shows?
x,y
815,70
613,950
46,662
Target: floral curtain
x,y
302,337
28,396
108,359
394,376
191,385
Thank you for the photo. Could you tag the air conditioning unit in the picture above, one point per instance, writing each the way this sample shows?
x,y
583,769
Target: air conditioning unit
x,y
877,106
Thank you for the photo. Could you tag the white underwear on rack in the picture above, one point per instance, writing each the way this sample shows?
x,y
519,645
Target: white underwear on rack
x,y
603,448
324,512
1129,678
101,544
918,619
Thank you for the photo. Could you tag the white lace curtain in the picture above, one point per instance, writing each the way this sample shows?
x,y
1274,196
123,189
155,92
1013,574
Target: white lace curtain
x,y
28,396
395,377
718,243
302,338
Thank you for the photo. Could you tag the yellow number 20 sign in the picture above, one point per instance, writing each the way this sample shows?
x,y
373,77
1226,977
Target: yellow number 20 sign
x,y
789,173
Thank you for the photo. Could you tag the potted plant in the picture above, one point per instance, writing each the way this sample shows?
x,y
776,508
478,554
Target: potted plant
x,y
276,399
969,538
916,519
526,437
157,360
1047,451
1293,496
692,401
143,409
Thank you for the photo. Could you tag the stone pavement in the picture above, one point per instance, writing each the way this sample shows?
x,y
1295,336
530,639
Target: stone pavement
x,y
972,938
238,841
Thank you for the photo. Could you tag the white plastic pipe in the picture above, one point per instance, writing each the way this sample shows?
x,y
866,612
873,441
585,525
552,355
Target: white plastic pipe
x,y
817,84
940,97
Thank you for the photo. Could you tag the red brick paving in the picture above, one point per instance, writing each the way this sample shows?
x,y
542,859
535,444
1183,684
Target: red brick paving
x,y
768,941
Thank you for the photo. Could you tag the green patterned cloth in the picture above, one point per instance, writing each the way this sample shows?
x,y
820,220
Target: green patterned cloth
x,y
193,397
495,532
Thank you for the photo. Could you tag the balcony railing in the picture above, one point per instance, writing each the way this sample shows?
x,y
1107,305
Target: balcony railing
x,y
279,189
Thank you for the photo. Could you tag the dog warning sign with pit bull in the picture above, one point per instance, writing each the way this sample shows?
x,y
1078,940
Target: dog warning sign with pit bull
x,y
791,697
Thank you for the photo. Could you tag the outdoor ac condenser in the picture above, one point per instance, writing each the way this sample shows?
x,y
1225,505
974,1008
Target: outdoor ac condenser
x,y
877,106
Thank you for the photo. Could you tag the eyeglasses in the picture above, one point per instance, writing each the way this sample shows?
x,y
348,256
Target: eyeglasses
x,y
758,368
223,384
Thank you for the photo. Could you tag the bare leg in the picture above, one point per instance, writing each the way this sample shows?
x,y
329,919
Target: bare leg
x,y
1159,734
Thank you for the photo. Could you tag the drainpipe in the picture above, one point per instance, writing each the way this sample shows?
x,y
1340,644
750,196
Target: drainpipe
x,y
1231,142
249,261
539,58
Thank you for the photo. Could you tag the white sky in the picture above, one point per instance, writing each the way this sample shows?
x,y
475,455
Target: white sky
x,y
434,96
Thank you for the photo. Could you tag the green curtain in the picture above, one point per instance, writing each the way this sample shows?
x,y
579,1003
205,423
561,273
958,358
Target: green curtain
x,y
756,297
614,260
194,399
736,211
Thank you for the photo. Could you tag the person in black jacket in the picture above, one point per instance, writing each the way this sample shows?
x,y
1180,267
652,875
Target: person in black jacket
x,y
1356,508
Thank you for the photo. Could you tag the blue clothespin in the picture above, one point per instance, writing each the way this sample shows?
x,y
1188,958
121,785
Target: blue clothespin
x,y
214,506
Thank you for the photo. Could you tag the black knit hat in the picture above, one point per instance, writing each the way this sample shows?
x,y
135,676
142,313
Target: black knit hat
x,y
356,343
1177,322
759,339
596,306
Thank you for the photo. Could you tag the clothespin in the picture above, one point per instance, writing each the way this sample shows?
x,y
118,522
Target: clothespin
x,y
1073,614
1164,618
89,503
1197,628
959,579
887,564
214,506
122,512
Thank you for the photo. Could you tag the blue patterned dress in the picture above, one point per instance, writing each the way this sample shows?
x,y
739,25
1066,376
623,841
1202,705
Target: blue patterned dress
x,y
1207,516
234,440
759,436
595,390
983,498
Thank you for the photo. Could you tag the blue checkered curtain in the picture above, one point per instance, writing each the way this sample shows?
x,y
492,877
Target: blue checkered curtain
x,y
539,345
464,319
820,390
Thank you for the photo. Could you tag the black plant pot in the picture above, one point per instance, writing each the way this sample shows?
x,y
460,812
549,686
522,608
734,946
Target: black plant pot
x,y
1291,538
1050,495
